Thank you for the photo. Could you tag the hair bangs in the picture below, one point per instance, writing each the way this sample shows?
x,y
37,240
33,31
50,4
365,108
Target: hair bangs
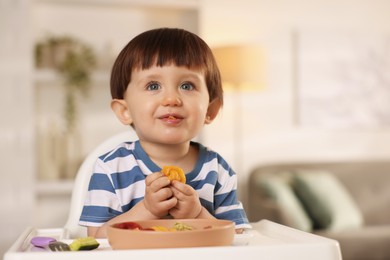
x,y
169,50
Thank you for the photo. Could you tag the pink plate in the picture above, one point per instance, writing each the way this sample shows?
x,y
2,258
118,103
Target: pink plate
x,y
206,232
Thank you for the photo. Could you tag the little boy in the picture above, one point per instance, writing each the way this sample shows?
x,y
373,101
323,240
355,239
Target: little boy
x,y
165,83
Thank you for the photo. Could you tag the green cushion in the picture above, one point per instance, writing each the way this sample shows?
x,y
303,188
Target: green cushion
x,y
279,189
326,200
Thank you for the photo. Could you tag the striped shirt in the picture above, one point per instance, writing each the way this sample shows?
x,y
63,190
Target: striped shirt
x,y
118,183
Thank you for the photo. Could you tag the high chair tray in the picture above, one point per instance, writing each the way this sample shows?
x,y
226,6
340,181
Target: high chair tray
x,y
267,240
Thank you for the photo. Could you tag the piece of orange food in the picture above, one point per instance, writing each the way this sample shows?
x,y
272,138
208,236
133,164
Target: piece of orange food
x,y
164,229
174,173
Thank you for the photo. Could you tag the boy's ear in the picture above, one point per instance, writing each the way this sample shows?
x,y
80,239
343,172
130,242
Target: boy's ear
x,y
212,111
119,106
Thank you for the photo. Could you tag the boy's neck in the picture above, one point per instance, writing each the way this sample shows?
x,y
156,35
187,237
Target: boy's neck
x,y
183,155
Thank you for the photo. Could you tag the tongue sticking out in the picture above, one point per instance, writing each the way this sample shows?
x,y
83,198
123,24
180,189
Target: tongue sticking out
x,y
171,117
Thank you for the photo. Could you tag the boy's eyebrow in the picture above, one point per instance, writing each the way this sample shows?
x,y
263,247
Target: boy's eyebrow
x,y
151,76
194,76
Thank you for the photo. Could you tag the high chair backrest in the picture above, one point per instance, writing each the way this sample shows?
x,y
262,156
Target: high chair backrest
x,y
80,188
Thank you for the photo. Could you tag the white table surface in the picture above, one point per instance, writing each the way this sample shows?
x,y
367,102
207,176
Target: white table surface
x,y
267,240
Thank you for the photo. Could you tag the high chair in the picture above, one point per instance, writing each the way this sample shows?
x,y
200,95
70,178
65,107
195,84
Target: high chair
x,y
266,240
80,188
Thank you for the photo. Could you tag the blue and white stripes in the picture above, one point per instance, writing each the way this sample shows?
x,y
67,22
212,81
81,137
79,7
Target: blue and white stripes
x,y
118,183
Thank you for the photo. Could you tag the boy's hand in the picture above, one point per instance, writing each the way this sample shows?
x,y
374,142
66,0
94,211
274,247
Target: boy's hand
x,y
188,203
159,197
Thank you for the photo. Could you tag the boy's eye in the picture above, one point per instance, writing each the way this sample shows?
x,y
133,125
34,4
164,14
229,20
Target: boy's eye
x,y
153,86
187,86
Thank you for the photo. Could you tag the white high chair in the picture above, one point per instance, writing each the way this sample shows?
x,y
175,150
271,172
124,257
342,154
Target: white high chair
x,y
266,240
80,188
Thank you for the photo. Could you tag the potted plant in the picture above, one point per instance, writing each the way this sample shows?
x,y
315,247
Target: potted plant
x,y
74,61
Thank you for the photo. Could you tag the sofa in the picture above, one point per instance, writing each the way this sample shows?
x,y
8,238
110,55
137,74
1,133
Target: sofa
x,y
345,201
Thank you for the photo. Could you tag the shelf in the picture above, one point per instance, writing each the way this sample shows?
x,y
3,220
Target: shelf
x,y
64,17
176,4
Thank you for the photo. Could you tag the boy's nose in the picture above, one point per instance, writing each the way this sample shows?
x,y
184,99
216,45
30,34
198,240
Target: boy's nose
x,y
172,99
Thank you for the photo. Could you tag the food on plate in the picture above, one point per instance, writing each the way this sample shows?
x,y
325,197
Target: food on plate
x,y
178,226
85,243
128,225
182,227
162,228
174,173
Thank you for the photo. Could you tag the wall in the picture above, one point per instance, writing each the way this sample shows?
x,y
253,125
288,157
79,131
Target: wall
x,y
16,124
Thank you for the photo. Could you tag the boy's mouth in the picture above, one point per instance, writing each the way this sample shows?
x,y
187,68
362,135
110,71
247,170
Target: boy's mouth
x,y
171,118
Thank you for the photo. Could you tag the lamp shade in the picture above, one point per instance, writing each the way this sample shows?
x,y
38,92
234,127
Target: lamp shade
x,y
241,66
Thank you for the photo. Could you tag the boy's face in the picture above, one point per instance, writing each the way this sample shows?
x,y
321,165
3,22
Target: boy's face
x,y
167,104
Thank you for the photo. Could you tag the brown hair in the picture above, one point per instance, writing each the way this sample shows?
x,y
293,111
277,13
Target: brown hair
x,y
161,47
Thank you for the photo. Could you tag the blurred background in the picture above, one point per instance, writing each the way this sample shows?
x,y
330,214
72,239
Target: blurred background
x,y
315,85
